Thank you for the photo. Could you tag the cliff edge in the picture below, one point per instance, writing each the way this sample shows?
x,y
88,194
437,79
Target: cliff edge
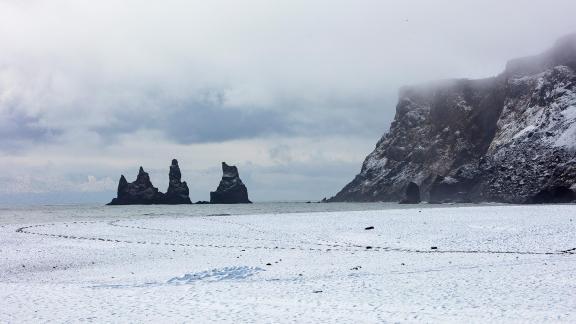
x,y
509,138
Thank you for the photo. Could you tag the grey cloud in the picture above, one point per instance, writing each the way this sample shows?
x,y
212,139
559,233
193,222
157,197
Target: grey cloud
x,y
83,74
324,67
18,130
202,119
195,120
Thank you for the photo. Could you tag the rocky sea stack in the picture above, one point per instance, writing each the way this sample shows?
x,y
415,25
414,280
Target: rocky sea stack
x,y
139,192
509,138
142,192
231,190
178,192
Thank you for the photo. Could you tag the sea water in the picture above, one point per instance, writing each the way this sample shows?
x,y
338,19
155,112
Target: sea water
x,y
61,213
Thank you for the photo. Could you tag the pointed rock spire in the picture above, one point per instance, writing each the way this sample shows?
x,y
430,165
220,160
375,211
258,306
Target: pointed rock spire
x,y
175,174
139,192
122,185
142,192
178,192
231,190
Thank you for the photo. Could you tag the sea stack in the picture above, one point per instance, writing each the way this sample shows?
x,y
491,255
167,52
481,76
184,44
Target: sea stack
x,y
178,192
231,190
142,192
139,192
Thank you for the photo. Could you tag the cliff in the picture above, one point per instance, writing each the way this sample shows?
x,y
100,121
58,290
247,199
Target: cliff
x,y
509,138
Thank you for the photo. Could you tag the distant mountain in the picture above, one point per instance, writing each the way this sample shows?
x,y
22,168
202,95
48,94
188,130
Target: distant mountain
x,y
509,138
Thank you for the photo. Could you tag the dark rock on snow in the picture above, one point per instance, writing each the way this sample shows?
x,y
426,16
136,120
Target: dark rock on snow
x,y
142,192
509,138
178,192
231,190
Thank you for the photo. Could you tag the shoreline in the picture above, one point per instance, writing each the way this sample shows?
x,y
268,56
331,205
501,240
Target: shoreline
x,y
51,213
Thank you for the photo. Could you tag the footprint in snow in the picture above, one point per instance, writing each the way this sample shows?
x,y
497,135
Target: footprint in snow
x,y
226,273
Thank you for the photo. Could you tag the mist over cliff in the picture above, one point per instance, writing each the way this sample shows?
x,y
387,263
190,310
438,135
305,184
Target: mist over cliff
x,y
509,138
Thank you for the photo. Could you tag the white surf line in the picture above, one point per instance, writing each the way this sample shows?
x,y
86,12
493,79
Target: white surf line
x,y
25,230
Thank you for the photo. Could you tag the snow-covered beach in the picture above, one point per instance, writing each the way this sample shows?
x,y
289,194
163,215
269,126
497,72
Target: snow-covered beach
x,y
423,264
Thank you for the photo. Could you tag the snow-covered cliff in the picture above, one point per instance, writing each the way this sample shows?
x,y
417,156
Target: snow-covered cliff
x,y
510,138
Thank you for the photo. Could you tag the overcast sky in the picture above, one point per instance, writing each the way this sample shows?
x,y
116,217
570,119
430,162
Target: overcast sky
x,y
295,93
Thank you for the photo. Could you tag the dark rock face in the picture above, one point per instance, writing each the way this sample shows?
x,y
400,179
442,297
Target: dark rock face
x,y
231,190
178,192
553,195
139,192
412,194
510,138
447,189
142,192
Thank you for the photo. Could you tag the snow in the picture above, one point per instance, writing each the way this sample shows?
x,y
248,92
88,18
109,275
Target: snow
x,y
524,131
463,105
568,137
570,113
449,180
226,273
524,115
491,264
376,163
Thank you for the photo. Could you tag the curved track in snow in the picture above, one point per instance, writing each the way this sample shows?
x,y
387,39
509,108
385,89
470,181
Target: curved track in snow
x,y
261,243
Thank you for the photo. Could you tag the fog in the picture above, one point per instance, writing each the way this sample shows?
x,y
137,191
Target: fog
x,y
295,93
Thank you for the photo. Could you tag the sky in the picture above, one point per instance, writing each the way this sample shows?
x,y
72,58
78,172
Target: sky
x,y
295,93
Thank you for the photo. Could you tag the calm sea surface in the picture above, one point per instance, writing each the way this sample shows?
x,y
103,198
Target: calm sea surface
x,y
57,213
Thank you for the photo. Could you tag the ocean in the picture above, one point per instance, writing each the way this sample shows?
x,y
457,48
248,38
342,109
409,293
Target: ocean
x,y
82,212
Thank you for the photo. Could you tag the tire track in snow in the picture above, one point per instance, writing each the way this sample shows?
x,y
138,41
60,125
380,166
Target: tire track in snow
x,y
26,230
355,248
431,251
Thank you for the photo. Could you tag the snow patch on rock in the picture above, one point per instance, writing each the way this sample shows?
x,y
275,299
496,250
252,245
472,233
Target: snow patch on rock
x,y
506,138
